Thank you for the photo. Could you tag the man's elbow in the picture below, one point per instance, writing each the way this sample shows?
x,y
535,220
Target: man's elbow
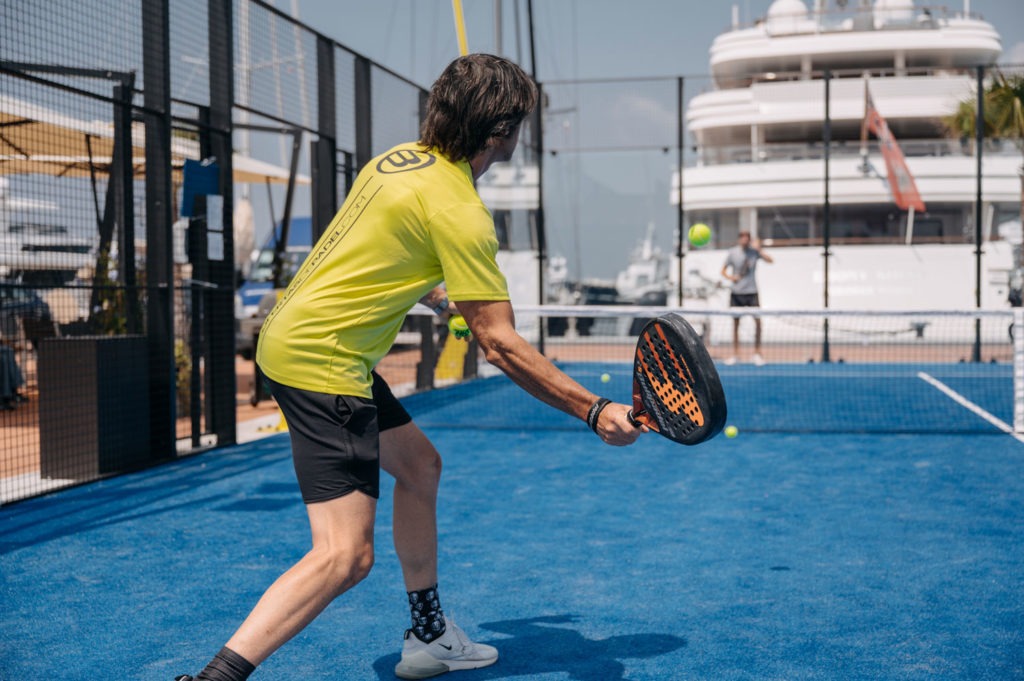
x,y
495,353
497,349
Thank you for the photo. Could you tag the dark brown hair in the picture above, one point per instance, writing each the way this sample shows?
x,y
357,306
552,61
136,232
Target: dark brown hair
x,y
476,98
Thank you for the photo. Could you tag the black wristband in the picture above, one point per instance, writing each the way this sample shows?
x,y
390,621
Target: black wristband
x,y
595,412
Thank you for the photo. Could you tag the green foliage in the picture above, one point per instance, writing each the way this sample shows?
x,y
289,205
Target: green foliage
x,y
1003,102
107,307
183,377
961,123
1003,112
111,302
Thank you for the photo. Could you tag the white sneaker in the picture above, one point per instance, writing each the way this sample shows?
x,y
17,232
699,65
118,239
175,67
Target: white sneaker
x,y
452,652
757,359
729,361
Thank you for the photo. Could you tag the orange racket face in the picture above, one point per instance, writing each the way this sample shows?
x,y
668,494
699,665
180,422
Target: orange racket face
x,y
676,388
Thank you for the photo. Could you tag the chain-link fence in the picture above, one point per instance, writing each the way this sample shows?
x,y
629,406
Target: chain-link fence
x,y
755,157
145,148
162,162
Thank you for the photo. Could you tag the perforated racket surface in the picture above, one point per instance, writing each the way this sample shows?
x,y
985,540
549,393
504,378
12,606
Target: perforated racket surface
x,y
676,389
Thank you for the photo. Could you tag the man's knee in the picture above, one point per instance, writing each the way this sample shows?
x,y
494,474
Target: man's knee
x,y
345,567
423,467
410,457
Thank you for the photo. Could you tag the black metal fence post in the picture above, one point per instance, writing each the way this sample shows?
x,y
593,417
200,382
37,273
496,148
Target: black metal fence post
x,y
680,211
220,297
363,112
979,144
159,237
325,148
827,211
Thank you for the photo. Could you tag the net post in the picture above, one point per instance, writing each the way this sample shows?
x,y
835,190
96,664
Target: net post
x,y
1018,370
826,352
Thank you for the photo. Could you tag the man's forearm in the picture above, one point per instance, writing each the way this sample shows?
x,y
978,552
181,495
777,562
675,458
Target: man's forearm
x,y
535,374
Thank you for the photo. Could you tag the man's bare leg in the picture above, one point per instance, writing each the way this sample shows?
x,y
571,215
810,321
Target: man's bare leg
x,y
736,337
342,555
407,455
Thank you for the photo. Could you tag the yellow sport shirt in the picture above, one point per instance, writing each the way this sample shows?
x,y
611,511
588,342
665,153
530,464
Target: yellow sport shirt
x,y
412,220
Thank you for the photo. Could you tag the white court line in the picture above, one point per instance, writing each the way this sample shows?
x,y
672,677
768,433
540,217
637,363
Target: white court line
x,y
964,402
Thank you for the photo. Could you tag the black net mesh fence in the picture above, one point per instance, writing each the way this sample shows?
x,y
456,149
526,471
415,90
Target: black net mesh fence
x,y
165,167
151,154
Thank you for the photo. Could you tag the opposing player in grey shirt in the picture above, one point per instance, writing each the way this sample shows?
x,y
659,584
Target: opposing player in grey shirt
x,y
740,268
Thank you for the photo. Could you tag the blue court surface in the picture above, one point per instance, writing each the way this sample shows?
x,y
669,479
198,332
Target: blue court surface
x,y
774,555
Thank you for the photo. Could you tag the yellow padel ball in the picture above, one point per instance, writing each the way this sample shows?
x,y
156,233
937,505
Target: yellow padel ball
x,y
458,326
700,234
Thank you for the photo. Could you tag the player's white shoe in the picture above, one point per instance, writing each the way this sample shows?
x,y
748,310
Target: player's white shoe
x,y
758,359
729,361
451,652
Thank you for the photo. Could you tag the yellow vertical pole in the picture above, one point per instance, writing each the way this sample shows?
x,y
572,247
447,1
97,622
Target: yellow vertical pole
x,y
460,27
452,360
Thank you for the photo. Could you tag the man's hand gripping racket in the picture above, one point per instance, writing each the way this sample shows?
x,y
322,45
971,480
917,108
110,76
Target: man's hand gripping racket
x,y
676,389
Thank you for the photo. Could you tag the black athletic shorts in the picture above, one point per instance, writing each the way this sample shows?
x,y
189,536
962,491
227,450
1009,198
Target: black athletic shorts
x,y
744,300
335,438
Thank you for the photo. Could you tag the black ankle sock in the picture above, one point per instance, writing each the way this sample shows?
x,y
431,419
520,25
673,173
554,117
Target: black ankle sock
x,y
227,665
427,617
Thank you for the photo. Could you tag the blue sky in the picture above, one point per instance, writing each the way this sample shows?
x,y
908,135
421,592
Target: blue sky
x,y
574,38
593,218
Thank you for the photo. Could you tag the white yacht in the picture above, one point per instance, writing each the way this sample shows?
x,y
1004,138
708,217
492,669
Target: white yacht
x,y
645,281
760,165
36,249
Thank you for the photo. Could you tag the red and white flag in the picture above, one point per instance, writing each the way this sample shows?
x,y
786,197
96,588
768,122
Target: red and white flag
x,y
901,182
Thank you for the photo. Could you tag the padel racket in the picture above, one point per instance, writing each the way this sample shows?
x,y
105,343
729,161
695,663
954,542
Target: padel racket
x,y
676,389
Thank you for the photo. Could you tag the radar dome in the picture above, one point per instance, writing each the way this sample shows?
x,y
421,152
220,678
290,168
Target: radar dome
x,y
785,16
893,12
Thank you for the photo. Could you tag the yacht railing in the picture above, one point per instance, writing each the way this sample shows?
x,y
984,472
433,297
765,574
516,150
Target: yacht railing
x,y
861,18
718,155
860,72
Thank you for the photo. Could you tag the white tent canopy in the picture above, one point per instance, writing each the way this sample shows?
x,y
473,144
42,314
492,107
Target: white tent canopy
x,y
35,139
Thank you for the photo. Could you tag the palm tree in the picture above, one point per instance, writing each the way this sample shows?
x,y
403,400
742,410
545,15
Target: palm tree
x,y
1004,118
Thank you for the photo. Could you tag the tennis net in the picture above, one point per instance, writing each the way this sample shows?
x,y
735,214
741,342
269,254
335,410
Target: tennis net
x,y
920,371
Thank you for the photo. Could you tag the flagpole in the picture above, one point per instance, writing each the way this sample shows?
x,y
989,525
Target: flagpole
x,y
910,225
865,166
